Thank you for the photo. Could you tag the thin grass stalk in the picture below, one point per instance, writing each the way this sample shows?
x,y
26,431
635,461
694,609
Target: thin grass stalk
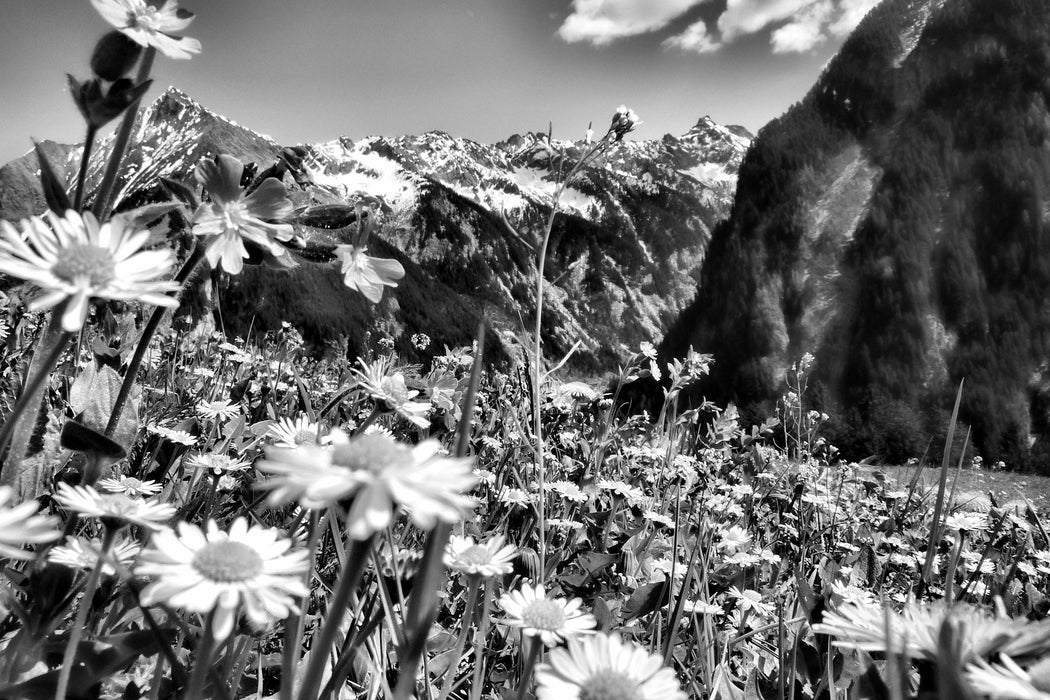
x,y
100,207
194,259
535,646
77,630
473,585
89,144
202,663
935,526
480,634
422,606
293,630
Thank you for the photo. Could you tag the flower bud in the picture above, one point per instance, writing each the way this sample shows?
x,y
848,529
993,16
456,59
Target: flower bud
x,y
624,121
114,56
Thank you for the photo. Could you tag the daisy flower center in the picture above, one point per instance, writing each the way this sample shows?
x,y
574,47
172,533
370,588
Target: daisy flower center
x,y
235,214
610,685
305,437
85,261
372,453
118,505
544,615
476,555
228,562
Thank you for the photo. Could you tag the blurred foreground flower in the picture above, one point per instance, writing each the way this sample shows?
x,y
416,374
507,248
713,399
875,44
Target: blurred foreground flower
x,y
76,259
490,559
604,666
380,473
550,619
233,217
147,25
19,525
247,568
1009,681
366,274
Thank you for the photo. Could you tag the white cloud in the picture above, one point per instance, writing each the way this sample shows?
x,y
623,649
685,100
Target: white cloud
x,y
695,38
851,12
743,17
601,22
805,31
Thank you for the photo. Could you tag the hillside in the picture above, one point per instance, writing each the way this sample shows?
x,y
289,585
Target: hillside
x,y
623,256
891,223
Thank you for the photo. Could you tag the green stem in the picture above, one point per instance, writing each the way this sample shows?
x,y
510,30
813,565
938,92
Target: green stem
x,y
349,577
100,207
473,584
293,630
480,634
89,143
203,661
530,661
147,335
85,605
19,424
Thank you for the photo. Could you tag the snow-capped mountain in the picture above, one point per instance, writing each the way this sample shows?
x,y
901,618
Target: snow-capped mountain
x,y
464,220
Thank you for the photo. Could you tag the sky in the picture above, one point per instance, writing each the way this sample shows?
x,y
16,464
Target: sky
x,y
314,70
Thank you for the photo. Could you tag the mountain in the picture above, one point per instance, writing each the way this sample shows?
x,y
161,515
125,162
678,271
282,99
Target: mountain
x,y
623,255
893,224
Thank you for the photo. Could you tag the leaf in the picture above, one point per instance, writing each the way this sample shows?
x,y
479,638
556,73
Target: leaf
x,y
92,397
180,192
54,189
645,600
596,562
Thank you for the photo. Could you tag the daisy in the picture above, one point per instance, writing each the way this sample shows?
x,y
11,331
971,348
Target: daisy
x,y
76,259
515,497
147,25
233,218
179,437
83,553
366,274
1010,681
20,525
750,600
114,508
380,473
604,667
301,431
131,486
489,559
632,494
249,569
391,388
217,464
550,619
734,538
967,521
567,490
213,410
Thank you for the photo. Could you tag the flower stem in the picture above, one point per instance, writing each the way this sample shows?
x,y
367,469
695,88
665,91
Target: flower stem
x,y
473,584
147,335
18,427
202,663
77,630
89,143
530,661
480,634
100,207
349,577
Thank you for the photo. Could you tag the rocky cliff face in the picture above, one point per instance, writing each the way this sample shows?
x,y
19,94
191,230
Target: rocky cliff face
x,y
892,224
623,256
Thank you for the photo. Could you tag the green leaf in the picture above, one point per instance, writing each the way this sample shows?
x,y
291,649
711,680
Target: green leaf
x,y
54,189
645,600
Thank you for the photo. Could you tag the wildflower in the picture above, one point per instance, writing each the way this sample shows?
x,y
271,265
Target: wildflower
x,y
76,259
750,600
179,437
248,569
563,523
489,559
567,490
699,607
301,431
967,521
515,497
421,341
550,619
604,666
131,486
624,121
213,410
647,349
380,473
1010,681
19,525
734,538
83,553
233,218
567,395
392,390
632,494
216,463
366,274
147,25
117,508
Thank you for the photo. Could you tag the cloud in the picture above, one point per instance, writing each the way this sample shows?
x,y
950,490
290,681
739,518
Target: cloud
x,y
797,25
695,38
601,22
